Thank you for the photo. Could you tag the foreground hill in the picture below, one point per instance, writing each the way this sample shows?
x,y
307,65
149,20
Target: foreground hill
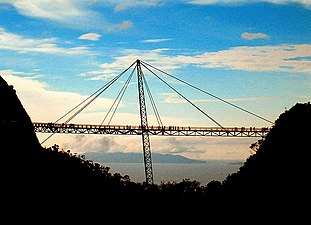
x,y
28,169
277,176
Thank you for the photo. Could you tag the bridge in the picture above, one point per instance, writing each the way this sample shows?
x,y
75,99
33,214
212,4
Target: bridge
x,y
151,130
144,129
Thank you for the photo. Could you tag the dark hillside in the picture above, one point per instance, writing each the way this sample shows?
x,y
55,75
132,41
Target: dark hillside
x,y
15,122
19,144
277,175
31,171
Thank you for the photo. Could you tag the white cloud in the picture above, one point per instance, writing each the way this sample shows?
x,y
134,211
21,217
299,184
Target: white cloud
x,y
121,5
252,36
286,58
200,148
305,3
122,26
9,72
156,57
90,36
292,58
49,9
210,2
72,13
192,147
126,25
157,40
14,42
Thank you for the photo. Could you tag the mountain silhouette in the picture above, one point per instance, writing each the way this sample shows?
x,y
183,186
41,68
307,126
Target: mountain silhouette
x,y
275,179
33,173
132,157
15,121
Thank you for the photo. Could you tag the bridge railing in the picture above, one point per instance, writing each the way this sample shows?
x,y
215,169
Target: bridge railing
x,y
153,130
135,127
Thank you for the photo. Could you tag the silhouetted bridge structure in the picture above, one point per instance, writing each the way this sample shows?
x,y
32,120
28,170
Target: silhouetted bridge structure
x,y
151,130
144,129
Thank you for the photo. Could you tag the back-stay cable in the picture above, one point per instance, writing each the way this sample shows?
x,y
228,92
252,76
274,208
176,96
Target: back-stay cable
x,y
184,97
214,96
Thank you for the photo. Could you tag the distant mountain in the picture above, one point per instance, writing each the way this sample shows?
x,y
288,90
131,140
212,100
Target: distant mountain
x,y
120,157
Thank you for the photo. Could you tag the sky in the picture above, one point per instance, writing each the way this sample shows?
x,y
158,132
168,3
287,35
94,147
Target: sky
x,y
254,54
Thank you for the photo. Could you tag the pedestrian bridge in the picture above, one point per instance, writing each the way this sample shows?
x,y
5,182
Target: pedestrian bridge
x,y
41,127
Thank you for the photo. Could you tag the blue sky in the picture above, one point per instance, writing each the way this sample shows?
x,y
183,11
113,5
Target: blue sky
x,y
255,54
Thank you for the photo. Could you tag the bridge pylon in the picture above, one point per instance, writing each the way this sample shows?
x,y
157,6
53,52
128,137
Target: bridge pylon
x,y
144,125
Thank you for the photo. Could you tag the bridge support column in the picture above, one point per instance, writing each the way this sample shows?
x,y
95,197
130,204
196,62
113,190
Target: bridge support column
x,y
144,126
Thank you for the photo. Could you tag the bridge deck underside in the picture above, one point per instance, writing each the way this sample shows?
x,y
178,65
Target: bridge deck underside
x,y
152,130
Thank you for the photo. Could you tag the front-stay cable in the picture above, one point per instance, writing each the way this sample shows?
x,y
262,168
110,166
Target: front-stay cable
x,y
99,90
154,107
104,89
201,90
121,93
95,94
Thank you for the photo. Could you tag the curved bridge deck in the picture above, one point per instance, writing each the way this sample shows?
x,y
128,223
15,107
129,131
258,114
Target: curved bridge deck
x,y
41,127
